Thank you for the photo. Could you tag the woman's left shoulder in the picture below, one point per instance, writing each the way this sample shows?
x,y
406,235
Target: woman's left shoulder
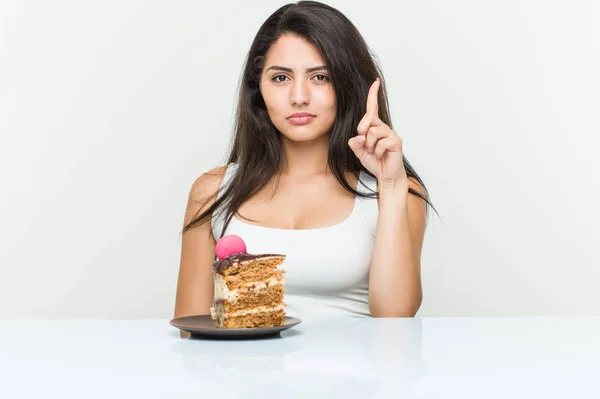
x,y
414,184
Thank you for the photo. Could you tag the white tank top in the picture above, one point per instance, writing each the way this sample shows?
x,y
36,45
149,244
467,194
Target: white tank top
x,y
326,268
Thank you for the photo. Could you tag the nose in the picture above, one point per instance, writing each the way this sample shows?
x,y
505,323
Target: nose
x,y
300,92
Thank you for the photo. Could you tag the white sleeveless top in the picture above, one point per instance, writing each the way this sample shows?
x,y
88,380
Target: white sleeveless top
x,y
326,268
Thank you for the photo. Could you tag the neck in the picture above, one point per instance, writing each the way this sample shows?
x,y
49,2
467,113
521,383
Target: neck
x,y
305,158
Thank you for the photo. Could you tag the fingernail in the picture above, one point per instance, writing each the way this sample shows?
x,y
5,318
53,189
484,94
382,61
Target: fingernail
x,y
360,139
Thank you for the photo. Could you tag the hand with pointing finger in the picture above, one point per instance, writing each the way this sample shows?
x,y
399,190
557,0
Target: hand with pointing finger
x,y
377,146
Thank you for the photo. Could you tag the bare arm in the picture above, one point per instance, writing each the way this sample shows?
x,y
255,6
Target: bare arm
x,y
395,273
195,280
395,269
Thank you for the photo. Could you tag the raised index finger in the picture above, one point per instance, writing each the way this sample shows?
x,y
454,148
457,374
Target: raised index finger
x,y
372,104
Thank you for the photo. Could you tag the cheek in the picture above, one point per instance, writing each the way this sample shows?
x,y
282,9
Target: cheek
x,y
326,95
272,98
326,100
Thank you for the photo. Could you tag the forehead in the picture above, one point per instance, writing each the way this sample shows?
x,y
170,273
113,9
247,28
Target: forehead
x,y
293,52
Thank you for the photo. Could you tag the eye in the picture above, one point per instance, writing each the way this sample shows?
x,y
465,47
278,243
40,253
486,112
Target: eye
x,y
322,78
277,80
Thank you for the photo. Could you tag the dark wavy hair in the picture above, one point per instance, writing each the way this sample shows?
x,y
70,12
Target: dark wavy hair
x,y
256,146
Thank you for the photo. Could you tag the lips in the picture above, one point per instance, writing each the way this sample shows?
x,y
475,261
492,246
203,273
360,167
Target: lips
x,y
300,115
301,118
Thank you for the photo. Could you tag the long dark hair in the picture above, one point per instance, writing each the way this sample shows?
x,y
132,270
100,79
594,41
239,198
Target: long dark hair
x,y
256,145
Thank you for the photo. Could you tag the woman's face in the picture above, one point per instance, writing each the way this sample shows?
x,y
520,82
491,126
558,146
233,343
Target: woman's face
x,y
295,80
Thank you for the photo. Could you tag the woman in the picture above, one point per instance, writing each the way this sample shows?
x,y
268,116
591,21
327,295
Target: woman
x,y
317,173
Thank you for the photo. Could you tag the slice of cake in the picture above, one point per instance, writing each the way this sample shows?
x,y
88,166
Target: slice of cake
x,y
248,289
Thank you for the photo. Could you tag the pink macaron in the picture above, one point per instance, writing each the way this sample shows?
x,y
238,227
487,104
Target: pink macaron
x,y
229,245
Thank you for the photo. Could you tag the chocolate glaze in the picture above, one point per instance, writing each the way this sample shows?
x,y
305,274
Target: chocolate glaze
x,y
221,264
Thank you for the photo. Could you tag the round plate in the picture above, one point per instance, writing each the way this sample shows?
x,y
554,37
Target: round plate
x,y
205,326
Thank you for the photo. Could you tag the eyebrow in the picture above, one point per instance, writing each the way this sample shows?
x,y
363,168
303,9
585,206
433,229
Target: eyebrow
x,y
280,68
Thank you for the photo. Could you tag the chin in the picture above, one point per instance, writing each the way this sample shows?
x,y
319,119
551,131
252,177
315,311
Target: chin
x,y
304,133
302,136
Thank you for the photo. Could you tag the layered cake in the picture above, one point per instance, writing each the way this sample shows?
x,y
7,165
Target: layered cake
x,y
248,288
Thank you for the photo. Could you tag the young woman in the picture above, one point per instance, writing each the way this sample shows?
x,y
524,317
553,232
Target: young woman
x,y
317,173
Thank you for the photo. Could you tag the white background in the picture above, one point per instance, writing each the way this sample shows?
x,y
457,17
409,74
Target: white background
x,y
110,110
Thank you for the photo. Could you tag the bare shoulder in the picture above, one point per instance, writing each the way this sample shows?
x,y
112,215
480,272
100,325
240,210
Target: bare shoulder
x,y
417,208
415,185
203,193
207,185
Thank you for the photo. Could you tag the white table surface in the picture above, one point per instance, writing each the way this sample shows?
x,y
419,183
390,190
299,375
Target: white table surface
x,y
362,358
